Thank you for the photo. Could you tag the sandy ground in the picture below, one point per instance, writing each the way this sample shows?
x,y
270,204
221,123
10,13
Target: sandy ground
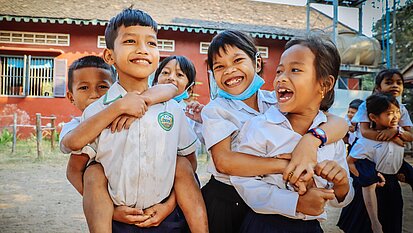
x,y
36,197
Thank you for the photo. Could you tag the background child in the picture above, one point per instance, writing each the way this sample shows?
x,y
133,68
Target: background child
x,y
351,135
385,157
235,64
303,87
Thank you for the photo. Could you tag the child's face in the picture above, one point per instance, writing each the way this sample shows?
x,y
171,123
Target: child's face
x,y
89,84
233,70
295,84
172,73
389,118
351,112
135,54
393,85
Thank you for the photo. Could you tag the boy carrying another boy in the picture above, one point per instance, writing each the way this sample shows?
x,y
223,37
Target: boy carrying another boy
x,y
139,162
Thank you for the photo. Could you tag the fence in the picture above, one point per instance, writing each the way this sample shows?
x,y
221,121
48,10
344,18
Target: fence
x,y
40,129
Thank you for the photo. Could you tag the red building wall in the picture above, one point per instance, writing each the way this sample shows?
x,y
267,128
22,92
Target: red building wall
x,y
83,41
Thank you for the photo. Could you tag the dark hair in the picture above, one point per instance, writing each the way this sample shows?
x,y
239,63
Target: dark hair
x,y
379,102
128,17
86,62
385,74
355,103
326,62
184,63
235,38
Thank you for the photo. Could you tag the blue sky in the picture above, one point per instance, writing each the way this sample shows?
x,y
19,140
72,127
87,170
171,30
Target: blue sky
x,y
372,11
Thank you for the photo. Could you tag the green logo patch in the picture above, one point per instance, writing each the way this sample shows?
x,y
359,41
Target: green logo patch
x,y
166,120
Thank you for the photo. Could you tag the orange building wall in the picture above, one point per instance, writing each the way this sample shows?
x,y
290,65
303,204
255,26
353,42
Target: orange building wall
x,y
83,41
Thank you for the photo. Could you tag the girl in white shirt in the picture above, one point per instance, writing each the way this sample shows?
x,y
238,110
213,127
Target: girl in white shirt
x,y
304,86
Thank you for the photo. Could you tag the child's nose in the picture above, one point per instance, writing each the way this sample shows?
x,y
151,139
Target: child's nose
x,y
229,70
141,49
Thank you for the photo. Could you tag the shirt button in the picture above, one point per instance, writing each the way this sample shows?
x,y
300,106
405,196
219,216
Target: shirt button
x,y
236,203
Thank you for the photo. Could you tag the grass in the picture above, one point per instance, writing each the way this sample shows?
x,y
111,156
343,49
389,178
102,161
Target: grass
x,y
26,152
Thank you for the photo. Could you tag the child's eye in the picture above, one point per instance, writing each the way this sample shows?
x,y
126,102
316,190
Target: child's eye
x,y
152,43
180,75
295,70
238,60
218,67
279,72
130,41
82,88
103,87
165,72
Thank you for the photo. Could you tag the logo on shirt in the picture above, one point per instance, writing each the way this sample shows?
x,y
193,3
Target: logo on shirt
x,y
166,120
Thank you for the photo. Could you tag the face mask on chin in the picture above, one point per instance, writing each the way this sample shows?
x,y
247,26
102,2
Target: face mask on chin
x,y
255,85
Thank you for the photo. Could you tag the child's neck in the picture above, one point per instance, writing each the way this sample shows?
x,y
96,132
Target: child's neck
x,y
380,127
301,122
252,102
129,84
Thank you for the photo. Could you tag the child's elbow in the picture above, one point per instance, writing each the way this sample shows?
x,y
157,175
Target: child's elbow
x,y
221,164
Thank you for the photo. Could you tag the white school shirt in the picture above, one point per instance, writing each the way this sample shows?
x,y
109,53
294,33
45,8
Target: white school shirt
x,y
67,127
269,135
387,155
224,117
139,163
362,116
351,135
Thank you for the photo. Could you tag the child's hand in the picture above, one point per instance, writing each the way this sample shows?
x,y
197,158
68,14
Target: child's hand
x,y
303,161
314,200
157,214
129,215
351,128
193,111
302,186
398,141
332,171
134,104
387,134
122,122
382,181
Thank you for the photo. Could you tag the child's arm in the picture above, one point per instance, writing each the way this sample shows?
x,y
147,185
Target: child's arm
x,y
193,111
372,134
159,212
304,156
192,159
352,166
239,164
131,104
75,169
405,134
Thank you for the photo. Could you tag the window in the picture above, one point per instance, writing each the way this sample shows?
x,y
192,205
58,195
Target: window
x,y
163,45
166,45
263,51
32,76
203,47
16,37
101,42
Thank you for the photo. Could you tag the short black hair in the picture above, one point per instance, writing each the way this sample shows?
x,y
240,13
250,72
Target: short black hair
x,y
127,17
185,64
385,74
86,62
355,103
326,62
234,38
378,103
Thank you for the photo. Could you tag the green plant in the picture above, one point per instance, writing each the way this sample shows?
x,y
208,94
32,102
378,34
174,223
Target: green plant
x,y
6,136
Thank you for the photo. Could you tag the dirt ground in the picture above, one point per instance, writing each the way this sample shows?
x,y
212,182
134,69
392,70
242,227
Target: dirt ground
x,y
36,197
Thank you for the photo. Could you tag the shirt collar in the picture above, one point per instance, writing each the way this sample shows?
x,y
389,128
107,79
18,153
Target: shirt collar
x,y
274,115
116,91
261,98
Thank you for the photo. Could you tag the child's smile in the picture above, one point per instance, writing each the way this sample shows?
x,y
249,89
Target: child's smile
x,y
284,94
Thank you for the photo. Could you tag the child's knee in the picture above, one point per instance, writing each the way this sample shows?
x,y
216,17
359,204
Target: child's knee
x,y
94,175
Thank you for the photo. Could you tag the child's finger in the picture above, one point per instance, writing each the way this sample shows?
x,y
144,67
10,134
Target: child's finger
x,y
121,123
327,194
301,187
114,125
129,122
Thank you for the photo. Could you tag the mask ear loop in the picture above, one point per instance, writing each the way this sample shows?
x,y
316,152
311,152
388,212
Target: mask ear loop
x,y
193,83
257,55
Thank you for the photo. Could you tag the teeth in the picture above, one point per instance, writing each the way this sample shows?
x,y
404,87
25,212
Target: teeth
x,y
140,61
233,81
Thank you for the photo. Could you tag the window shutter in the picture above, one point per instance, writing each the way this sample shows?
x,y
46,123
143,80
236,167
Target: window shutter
x,y
59,82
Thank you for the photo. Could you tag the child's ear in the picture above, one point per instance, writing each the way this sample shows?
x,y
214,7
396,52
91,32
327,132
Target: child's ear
x,y
69,96
329,83
372,117
108,56
258,64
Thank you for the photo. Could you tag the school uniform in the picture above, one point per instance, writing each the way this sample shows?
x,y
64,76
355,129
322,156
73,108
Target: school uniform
x,y
388,158
140,162
362,116
67,127
268,196
224,118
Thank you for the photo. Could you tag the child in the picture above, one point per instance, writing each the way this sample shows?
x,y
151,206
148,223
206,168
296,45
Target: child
x,y
351,135
133,51
303,87
384,156
235,62
88,79
389,81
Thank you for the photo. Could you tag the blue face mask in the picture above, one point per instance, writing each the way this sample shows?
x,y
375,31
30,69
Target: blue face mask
x,y
182,96
255,85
